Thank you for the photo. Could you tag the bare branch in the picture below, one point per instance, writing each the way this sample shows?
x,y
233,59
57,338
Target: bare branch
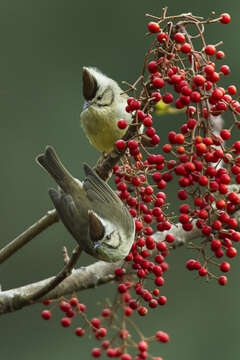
x,y
181,236
81,279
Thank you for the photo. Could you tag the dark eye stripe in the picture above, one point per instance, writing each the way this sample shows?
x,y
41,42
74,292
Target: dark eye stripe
x,y
106,104
114,247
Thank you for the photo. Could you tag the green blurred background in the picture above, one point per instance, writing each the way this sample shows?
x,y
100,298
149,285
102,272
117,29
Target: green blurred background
x,y
44,44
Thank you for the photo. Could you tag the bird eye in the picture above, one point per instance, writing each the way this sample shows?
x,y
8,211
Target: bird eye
x,y
108,237
99,97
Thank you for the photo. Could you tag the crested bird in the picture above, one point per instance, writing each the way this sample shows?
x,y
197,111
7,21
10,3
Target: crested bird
x,y
104,105
90,210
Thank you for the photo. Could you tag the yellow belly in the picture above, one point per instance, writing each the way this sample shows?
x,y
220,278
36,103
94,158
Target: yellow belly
x,y
101,129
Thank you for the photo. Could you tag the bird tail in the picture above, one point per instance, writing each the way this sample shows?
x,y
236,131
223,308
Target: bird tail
x,y
51,162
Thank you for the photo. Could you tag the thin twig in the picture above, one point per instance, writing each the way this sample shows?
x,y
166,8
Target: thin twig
x,y
63,274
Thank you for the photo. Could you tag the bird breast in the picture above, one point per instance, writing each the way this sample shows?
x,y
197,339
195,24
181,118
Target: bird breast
x,y
101,127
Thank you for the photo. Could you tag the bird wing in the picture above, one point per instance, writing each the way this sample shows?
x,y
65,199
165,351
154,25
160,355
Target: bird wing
x,y
75,222
105,201
95,187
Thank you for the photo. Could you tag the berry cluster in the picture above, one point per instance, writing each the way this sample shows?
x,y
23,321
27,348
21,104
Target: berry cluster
x,y
201,156
116,344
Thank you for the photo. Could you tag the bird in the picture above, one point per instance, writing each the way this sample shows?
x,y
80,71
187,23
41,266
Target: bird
x,y
104,105
160,108
90,210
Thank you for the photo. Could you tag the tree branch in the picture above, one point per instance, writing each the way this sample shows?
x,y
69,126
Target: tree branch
x,y
90,276
81,279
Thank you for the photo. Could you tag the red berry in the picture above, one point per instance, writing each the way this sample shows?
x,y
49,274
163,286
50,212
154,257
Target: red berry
x,y
135,105
162,300
132,144
225,18
233,198
217,94
215,244
222,280
162,37
170,238
210,50
225,134
96,352
199,80
232,90
126,357
142,311
74,301
158,82
65,306
179,38
156,97
203,180
128,311
167,98
214,77
186,90
186,48
46,314
122,124
231,252
190,264
152,67
70,313
100,333
184,218
220,55
195,96
225,69
209,69
95,323
142,345
66,322
225,266
120,144
202,271
79,331
81,307
46,302
182,194
155,140
111,353
153,27
106,312
147,121
162,336
122,288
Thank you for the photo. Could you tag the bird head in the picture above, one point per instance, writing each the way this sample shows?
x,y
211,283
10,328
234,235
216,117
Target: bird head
x,y
109,242
99,90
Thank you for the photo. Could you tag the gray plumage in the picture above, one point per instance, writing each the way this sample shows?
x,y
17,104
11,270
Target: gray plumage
x,y
90,210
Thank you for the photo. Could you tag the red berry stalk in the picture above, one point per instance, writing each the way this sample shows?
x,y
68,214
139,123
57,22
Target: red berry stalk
x,y
201,155
203,158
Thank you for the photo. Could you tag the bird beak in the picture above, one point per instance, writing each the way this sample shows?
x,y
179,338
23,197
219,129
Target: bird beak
x,y
97,244
86,105
89,84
